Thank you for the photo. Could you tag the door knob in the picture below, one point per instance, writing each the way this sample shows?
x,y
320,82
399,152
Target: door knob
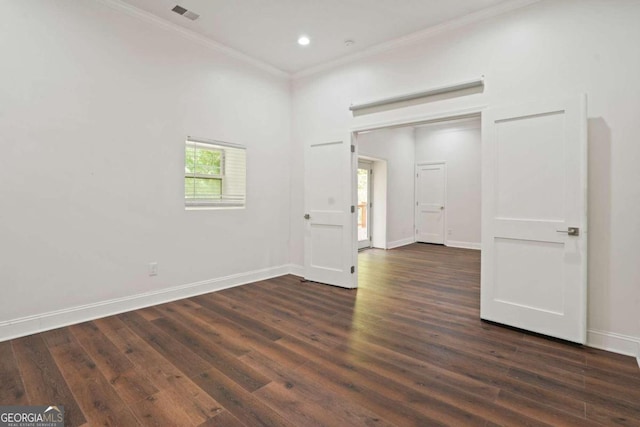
x,y
307,216
571,231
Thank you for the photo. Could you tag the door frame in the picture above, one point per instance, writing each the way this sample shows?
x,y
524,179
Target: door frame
x,y
369,168
401,121
379,199
444,196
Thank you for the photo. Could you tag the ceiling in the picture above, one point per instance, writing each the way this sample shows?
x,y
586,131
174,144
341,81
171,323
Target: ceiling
x,y
268,30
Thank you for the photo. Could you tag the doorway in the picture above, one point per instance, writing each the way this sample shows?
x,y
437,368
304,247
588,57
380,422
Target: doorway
x,y
534,248
432,180
365,203
516,210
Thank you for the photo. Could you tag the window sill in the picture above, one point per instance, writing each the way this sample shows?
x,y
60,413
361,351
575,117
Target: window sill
x,y
212,208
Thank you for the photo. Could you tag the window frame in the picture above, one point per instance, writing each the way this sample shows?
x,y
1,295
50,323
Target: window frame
x,y
212,176
213,203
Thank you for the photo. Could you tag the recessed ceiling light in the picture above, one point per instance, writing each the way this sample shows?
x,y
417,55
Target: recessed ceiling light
x,y
303,40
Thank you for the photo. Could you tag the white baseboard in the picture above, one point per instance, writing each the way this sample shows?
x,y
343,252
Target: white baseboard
x,y
21,327
296,270
398,243
463,245
15,328
450,243
616,343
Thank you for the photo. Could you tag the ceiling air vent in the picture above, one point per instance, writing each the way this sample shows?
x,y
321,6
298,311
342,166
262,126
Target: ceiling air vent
x,y
186,13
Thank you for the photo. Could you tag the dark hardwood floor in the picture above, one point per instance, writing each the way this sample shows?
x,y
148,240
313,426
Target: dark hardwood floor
x,y
406,348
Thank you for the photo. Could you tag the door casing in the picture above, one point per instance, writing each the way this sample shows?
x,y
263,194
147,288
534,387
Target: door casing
x,y
404,120
368,165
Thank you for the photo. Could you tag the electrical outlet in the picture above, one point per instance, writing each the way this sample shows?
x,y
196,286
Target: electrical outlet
x,y
153,269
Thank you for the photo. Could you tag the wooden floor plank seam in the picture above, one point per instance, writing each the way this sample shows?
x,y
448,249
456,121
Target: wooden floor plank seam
x,y
405,348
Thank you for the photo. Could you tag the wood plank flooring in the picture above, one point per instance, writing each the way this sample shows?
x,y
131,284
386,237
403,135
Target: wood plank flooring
x,y
405,349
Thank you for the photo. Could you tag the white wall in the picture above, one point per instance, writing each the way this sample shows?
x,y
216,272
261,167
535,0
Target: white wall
x,y
458,145
95,106
397,147
548,49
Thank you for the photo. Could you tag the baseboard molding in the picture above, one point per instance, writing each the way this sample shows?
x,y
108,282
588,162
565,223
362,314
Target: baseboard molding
x,y
616,343
296,270
398,243
24,326
463,245
15,328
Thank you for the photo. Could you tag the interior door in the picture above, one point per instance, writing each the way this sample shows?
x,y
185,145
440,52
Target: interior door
x,y
430,203
534,237
329,244
364,206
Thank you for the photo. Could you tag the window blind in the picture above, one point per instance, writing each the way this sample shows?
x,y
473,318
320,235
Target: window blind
x,y
215,173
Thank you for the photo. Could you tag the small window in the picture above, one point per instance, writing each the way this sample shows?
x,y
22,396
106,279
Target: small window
x,y
214,174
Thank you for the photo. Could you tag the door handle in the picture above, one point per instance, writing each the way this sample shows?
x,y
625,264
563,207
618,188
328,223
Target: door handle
x,y
307,216
571,231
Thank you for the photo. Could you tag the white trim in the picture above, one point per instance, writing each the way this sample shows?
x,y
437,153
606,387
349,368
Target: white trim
x,y
417,36
475,111
438,90
421,119
616,343
463,245
209,43
148,17
429,163
217,144
16,328
452,125
296,270
402,242
367,165
28,325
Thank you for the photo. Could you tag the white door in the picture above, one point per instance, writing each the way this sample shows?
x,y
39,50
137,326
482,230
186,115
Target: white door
x,y
429,217
534,240
329,244
365,205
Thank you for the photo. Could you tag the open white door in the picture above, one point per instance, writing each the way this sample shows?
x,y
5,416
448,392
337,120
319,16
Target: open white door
x,y
430,190
330,241
534,237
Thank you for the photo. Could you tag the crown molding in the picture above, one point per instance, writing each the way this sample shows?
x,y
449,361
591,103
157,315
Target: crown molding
x,y
193,36
427,33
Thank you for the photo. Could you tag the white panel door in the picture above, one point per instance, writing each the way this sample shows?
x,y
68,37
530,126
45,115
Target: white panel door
x,y
329,243
534,240
430,203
